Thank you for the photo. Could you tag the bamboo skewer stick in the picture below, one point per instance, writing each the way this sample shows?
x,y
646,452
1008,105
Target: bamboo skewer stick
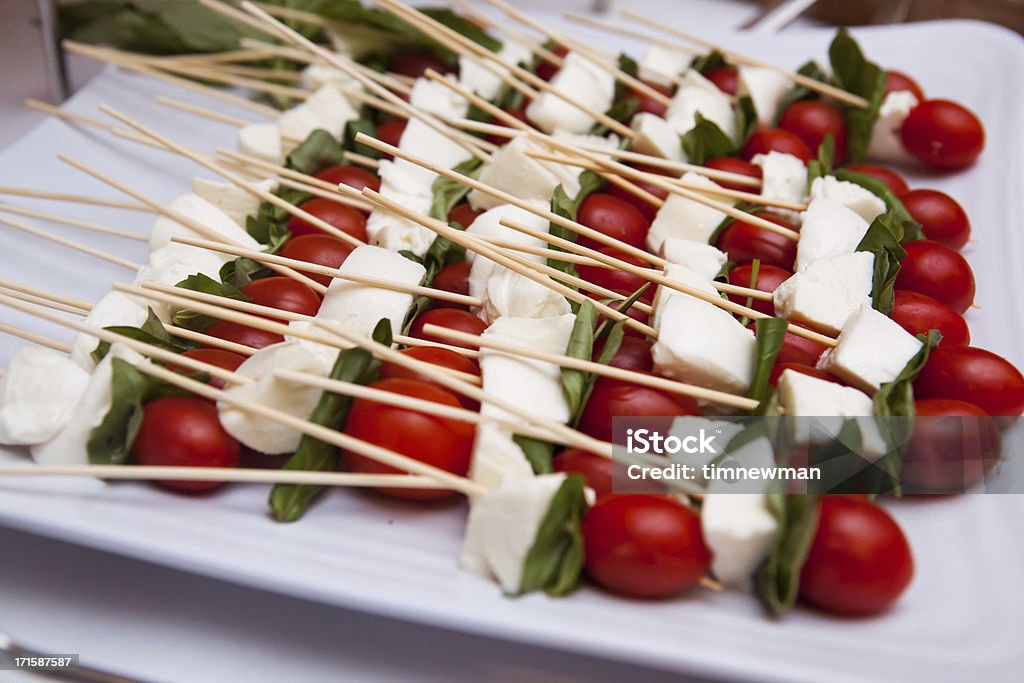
x,y
75,199
34,338
471,13
202,111
219,76
71,244
40,301
43,294
85,225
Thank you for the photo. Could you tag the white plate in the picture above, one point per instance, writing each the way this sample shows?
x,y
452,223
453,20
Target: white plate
x,y
961,619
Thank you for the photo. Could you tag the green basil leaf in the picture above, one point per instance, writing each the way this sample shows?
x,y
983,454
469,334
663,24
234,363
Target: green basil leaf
x,y
555,560
778,580
746,120
896,398
709,62
568,207
629,66
463,26
854,73
538,453
242,271
771,333
354,128
622,111
448,193
799,92
706,141
822,165
318,151
911,228
207,285
581,345
883,240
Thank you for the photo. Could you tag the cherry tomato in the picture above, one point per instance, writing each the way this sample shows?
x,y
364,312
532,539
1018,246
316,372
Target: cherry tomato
x,y
812,120
434,355
341,216
391,132
797,349
942,219
777,140
725,78
780,368
619,398
619,280
452,318
229,360
355,177
414,63
519,114
859,561
744,242
649,105
183,431
738,166
893,180
940,272
943,134
453,278
243,334
633,354
321,249
975,376
896,81
437,441
284,294
463,214
917,313
644,546
954,445
614,217
545,69
646,209
597,471
768,279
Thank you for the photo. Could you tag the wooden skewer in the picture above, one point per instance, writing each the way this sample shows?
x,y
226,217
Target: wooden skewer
x,y
69,302
219,76
40,301
75,199
85,225
71,244
263,73
226,58
736,58
34,338
202,111
471,13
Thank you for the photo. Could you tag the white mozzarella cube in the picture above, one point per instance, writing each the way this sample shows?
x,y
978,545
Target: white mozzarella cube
x,y
698,95
512,171
420,140
397,233
358,308
698,342
332,109
171,264
297,399
261,140
827,292
569,176
506,293
766,88
656,137
38,395
295,125
664,64
503,526
784,177
488,225
326,354
828,229
582,81
315,76
437,99
484,82
496,456
825,404
234,201
114,309
739,530
684,218
851,195
206,212
886,138
871,350
700,257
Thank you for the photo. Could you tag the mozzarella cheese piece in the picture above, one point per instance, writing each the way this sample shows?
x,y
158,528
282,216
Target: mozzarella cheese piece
x,y
569,176
582,81
886,140
325,354
824,403
766,88
698,95
740,530
851,195
826,293
485,83
38,395
206,212
232,200
261,140
784,177
420,140
113,309
171,264
488,225
828,229
503,526
663,64
700,257
496,457
294,398
698,342
437,99
512,171
871,350
656,136
684,218
532,385
358,308
506,293
315,76
69,445
395,233
295,125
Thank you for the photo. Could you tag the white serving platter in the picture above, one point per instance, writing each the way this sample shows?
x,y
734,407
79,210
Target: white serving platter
x,y
961,619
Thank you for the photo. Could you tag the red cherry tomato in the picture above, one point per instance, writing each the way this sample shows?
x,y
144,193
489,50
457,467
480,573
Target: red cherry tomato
x,y
859,561
644,546
341,216
917,313
975,376
437,441
618,398
284,294
648,104
619,280
942,219
738,166
614,217
463,214
391,132
768,280
355,177
943,134
321,249
646,209
597,471
229,360
896,81
545,69
519,114
444,358
414,63
453,278
954,445
452,318
780,368
243,334
183,431
812,120
633,354
797,349
893,180
744,242
940,272
725,78
776,140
